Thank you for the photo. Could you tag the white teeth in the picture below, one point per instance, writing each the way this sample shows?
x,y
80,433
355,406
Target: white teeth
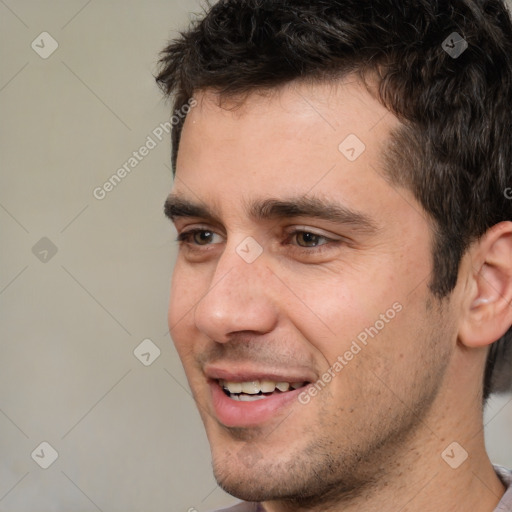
x,y
251,388
249,398
254,387
283,386
267,386
233,387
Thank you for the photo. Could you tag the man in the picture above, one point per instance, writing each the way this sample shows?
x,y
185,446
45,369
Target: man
x,y
341,301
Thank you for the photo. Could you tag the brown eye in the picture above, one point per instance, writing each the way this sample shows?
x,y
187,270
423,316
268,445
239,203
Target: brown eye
x,y
198,238
305,239
202,237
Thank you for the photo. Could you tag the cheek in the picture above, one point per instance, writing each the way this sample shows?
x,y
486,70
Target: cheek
x,y
371,319
332,310
185,293
188,285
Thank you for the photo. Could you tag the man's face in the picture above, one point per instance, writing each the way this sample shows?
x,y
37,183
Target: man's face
x,y
272,287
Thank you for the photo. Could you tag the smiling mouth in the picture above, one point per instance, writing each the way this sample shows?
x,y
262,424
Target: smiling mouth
x,y
253,390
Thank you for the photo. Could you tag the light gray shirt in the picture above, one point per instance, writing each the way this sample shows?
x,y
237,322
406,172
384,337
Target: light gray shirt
x,y
505,505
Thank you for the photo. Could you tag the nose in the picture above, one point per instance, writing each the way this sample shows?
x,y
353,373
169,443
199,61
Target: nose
x,y
239,298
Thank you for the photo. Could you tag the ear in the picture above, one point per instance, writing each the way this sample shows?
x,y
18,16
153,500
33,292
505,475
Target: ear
x,y
487,314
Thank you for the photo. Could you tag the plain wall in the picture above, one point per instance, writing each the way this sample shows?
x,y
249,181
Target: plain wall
x,y
83,281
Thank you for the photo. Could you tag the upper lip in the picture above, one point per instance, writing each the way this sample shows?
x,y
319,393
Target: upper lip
x,y
240,374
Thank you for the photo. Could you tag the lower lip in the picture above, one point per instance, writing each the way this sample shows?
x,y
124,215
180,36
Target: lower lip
x,y
233,413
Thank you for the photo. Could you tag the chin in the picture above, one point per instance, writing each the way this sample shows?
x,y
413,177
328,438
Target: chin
x,y
244,482
247,472
250,475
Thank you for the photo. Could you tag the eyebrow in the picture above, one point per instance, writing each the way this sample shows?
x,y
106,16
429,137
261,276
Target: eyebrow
x,y
273,209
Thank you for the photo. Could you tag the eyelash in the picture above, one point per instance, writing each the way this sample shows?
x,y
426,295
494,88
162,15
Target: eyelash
x,y
186,236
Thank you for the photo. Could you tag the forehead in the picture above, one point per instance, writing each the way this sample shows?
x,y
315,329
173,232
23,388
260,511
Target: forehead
x,y
336,103
324,138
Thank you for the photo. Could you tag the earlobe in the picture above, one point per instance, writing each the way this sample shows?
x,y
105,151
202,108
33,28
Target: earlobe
x,y
488,312
480,300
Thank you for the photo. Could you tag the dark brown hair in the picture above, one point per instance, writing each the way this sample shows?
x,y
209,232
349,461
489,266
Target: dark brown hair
x,y
454,147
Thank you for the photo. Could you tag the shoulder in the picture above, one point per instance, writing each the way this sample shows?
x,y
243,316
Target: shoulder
x,y
505,476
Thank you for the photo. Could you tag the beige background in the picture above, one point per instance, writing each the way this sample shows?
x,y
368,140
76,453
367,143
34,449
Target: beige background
x,y
128,436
